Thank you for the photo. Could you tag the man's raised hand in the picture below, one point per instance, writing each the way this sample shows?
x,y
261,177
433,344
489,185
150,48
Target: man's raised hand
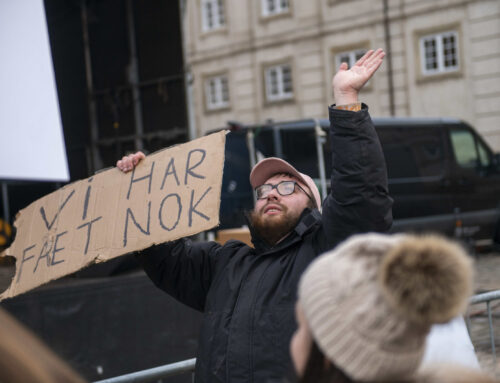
x,y
129,162
348,82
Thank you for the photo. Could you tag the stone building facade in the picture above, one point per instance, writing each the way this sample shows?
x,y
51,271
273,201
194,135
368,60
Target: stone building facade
x,y
254,60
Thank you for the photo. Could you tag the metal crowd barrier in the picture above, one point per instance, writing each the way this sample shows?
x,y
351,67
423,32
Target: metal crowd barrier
x,y
186,366
487,298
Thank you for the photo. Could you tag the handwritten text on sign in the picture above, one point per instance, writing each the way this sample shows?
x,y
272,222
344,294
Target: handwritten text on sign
x,y
170,194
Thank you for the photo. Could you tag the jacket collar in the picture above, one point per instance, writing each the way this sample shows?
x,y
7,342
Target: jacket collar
x,y
307,220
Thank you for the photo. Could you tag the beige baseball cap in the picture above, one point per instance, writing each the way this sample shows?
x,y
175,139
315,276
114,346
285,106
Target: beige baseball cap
x,y
268,167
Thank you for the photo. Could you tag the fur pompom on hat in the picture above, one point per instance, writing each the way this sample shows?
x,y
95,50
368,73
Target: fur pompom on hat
x,y
370,303
426,279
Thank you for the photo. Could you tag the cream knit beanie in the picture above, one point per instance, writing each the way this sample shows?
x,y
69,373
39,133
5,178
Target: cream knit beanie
x,y
371,302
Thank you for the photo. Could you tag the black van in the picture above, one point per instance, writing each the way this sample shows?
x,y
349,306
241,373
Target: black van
x,y
442,175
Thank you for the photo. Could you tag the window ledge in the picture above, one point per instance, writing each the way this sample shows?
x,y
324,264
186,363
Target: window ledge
x,y
270,103
215,31
275,16
217,110
425,78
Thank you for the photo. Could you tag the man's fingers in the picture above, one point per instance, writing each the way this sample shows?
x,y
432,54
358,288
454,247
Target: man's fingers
x,y
137,157
343,66
127,163
122,164
374,62
365,57
376,65
375,58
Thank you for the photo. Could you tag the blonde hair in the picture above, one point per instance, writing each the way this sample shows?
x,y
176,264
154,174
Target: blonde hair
x,y
24,358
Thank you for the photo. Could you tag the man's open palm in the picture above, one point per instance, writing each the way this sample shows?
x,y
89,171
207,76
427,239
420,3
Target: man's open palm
x,y
348,82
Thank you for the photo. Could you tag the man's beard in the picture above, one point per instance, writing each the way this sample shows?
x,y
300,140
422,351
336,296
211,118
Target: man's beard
x,y
272,228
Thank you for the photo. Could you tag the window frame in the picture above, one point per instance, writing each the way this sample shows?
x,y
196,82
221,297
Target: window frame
x,y
265,13
439,37
282,95
220,103
218,9
420,77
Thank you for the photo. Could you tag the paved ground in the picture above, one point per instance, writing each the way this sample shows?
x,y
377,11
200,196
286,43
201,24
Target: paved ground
x,y
487,279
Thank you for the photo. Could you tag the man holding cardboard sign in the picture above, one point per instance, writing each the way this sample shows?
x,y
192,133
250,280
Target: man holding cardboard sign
x,y
248,294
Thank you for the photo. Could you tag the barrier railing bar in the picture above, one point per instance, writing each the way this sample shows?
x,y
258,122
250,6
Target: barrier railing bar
x,y
484,297
492,335
487,298
154,373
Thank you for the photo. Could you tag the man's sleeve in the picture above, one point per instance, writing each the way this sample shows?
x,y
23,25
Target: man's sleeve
x,y
183,268
359,199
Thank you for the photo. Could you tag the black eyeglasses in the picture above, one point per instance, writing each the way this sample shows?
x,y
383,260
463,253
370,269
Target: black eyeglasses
x,y
284,188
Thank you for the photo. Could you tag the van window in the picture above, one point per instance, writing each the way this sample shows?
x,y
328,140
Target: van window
x,y
469,153
295,145
483,155
464,147
264,142
299,149
412,152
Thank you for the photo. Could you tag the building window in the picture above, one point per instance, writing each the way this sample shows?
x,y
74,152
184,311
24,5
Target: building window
x,y
274,7
279,83
217,92
349,57
439,53
212,12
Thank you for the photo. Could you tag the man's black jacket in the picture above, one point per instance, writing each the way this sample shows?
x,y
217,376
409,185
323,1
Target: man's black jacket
x,y
248,294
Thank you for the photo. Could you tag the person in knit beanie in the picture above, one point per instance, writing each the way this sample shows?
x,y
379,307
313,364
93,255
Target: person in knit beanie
x,y
364,309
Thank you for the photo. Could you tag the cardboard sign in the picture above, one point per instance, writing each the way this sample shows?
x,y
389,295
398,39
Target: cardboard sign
x,y
171,194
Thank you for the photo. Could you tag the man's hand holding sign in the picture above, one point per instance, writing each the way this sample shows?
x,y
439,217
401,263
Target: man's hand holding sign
x,y
172,194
